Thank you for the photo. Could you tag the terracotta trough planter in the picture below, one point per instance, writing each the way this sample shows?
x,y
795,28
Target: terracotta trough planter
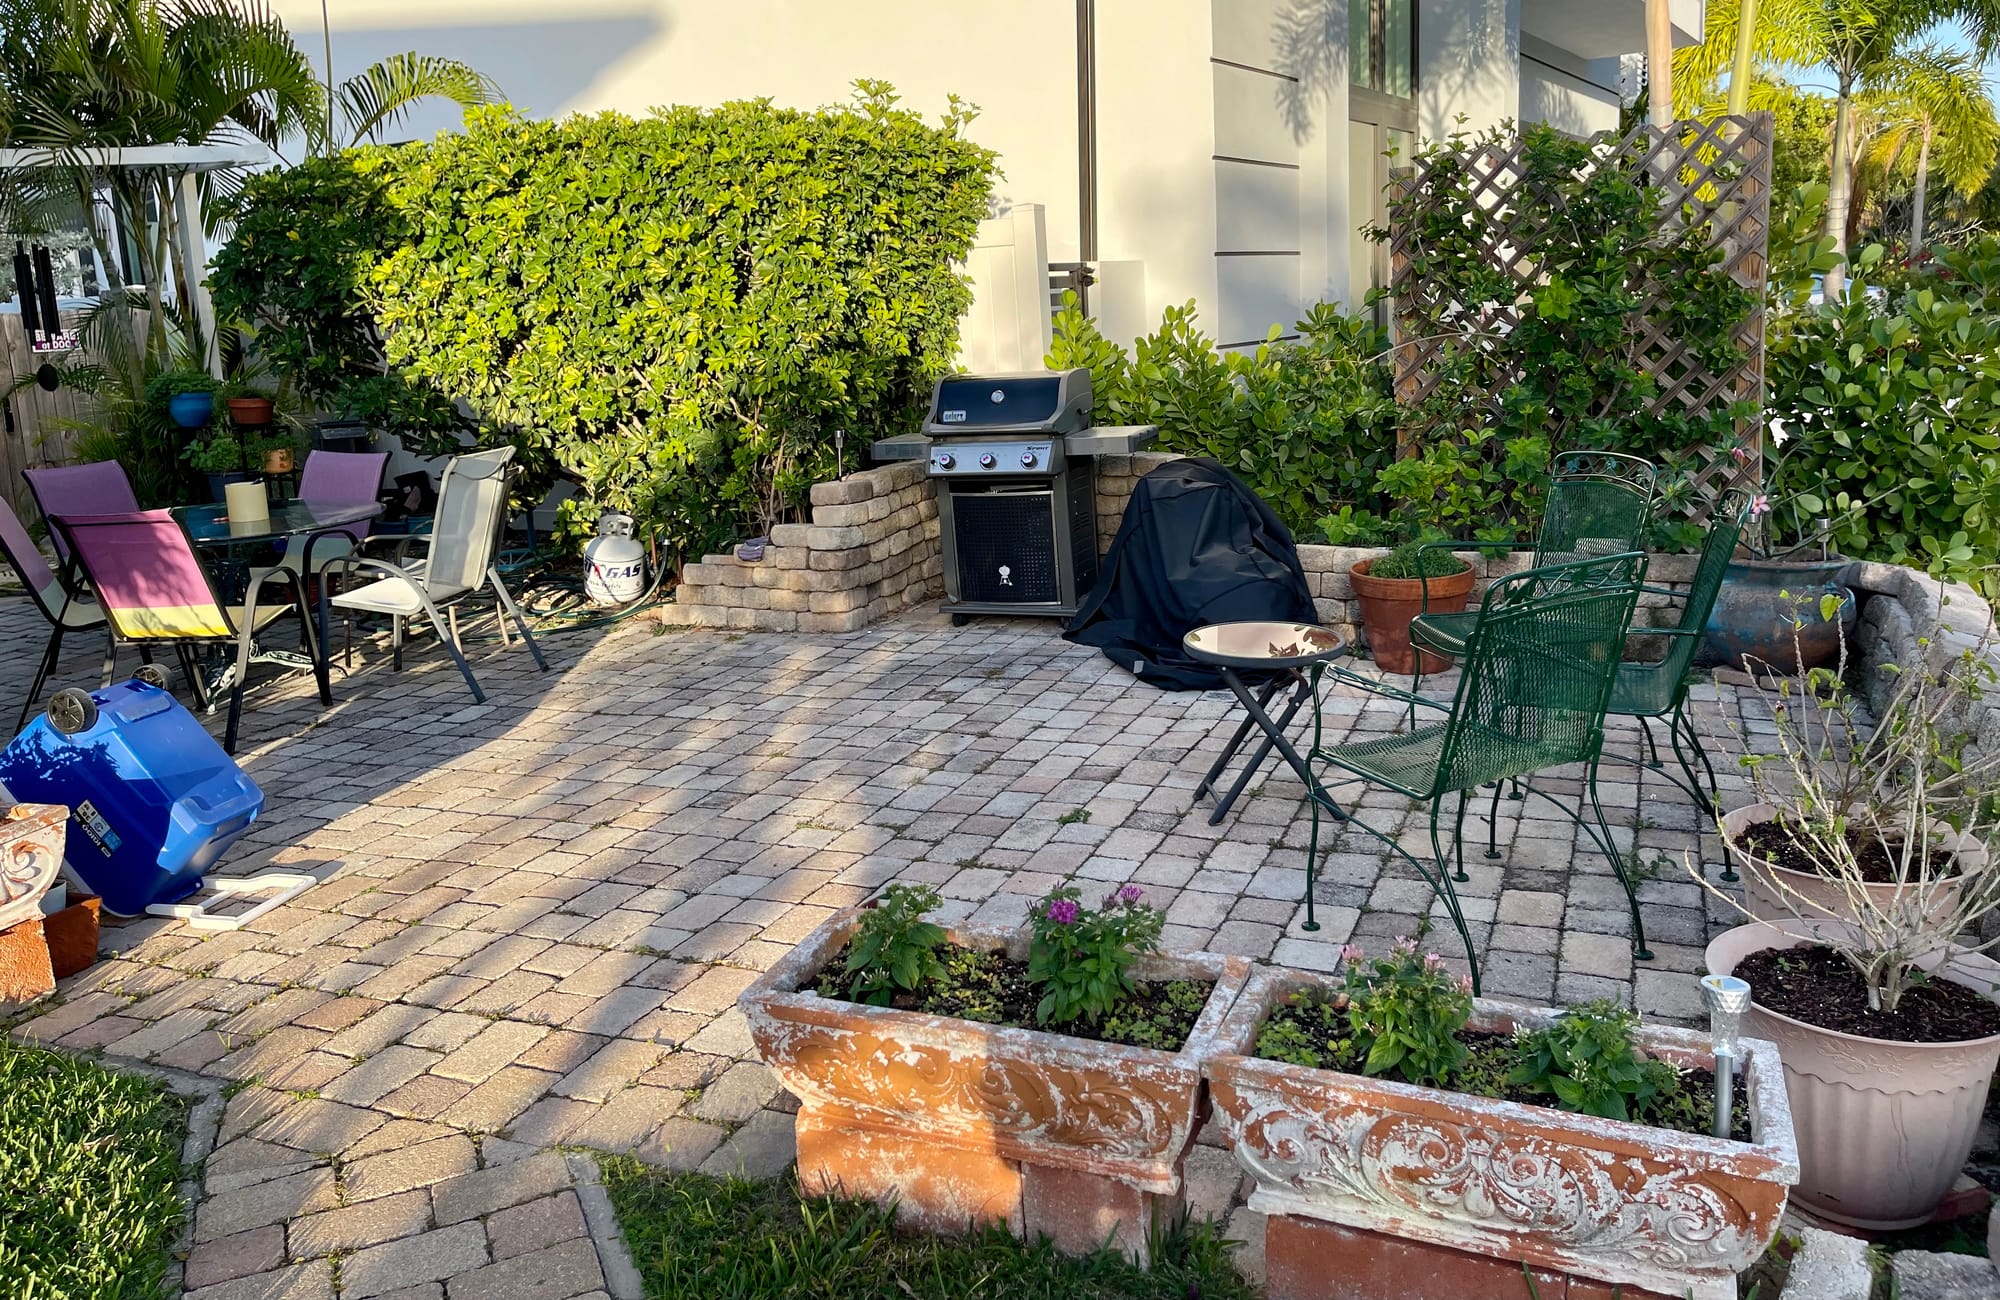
x,y
1762,902
961,1122
1451,1195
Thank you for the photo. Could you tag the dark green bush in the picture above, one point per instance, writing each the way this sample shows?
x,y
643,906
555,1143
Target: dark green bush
x,y
1415,560
1308,423
1889,414
681,311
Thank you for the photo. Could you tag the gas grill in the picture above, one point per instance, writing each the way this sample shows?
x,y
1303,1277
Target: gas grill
x,y
1013,460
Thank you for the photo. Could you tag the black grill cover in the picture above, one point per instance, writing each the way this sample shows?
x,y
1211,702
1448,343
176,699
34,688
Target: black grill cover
x,y
1196,547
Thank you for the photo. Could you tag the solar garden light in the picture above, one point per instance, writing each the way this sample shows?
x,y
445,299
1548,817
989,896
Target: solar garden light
x,y
1726,998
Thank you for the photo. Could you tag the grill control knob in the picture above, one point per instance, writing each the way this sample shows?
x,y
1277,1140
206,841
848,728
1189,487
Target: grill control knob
x,y
1028,459
945,460
986,460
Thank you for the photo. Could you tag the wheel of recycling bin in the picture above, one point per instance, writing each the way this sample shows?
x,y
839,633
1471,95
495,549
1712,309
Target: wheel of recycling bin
x,y
153,675
72,712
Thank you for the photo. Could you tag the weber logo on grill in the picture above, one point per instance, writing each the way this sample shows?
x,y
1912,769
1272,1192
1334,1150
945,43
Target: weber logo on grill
x,y
951,417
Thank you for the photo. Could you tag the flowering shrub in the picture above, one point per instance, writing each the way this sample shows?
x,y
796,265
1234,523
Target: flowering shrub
x,y
1083,956
1406,1011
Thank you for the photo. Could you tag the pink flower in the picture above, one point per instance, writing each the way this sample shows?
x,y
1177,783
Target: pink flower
x,y
1742,456
1062,911
1351,953
1760,505
1465,984
1403,947
1129,894
1433,962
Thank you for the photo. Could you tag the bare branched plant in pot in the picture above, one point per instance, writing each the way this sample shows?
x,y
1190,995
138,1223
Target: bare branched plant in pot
x,y
1864,855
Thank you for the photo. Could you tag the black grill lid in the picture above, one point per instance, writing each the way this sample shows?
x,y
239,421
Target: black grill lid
x,y
1043,402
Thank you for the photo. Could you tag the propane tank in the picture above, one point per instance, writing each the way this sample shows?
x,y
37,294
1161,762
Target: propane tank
x,y
614,562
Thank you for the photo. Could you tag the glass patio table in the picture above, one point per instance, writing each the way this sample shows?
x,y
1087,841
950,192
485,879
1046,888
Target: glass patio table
x,y
1283,654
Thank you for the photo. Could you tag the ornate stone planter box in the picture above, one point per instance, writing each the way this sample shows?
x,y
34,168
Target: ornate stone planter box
x,y
960,1122
31,854
1591,1198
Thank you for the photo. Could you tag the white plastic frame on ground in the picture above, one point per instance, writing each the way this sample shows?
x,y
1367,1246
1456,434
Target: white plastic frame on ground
x,y
195,911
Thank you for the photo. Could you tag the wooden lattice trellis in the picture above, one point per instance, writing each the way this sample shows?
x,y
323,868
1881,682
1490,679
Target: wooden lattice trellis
x,y
1713,176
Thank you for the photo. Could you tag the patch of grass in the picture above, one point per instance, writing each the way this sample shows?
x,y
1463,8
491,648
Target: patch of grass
x,y
88,1159
692,1235
1073,816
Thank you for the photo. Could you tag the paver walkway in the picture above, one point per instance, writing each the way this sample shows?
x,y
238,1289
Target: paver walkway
x,y
536,914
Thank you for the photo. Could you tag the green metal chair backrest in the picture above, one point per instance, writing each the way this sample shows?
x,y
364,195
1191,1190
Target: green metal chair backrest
x,y
1539,670
1598,505
1725,529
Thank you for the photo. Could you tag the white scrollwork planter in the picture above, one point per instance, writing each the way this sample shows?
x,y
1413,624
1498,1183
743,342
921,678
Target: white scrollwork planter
x,y
31,854
958,1120
1602,1199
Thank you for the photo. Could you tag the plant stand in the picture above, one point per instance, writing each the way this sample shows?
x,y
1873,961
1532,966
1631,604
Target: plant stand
x,y
961,1123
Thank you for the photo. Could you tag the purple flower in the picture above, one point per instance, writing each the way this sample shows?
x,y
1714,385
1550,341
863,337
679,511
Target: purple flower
x,y
1129,894
1062,911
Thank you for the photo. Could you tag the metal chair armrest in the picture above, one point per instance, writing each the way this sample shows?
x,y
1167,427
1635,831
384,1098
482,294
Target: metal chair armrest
x,y
1374,687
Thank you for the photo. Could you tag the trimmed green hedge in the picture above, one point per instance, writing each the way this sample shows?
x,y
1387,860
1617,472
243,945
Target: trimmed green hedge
x,y
679,311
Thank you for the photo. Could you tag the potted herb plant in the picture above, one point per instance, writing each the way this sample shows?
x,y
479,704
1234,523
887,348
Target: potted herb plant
x,y
1889,1027
1047,1078
1395,588
1397,1125
222,458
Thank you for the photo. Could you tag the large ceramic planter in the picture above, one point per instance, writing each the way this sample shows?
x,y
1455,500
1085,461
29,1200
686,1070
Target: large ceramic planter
x,y
1495,1183
1388,605
1769,610
1883,1127
191,410
959,1122
1763,902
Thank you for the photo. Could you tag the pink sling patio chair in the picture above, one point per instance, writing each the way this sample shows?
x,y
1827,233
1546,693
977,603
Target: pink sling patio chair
x,y
98,488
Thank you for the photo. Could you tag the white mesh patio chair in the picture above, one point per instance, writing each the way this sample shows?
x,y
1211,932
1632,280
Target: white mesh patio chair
x,y
463,541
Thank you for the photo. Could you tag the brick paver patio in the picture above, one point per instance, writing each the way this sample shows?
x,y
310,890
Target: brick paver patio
x,y
536,914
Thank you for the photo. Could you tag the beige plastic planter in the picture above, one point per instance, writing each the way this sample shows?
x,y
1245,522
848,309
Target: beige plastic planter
x,y
1616,1202
1763,902
961,1122
1883,1127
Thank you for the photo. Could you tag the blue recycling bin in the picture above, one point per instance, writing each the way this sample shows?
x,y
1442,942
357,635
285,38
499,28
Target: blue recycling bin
x,y
153,800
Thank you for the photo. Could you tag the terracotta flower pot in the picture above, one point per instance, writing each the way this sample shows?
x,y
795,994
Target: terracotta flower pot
x,y
961,1122
1883,1127
1616,1202
1388,605
1763,902
251,410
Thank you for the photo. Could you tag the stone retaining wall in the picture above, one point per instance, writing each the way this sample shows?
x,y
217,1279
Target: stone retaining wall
x,y
1900,610
870,551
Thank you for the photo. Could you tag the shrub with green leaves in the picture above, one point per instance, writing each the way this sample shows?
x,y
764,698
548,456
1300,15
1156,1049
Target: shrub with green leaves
x,y
1588,1062
893,947
1082,956
1307,423
1416,560
1405,1010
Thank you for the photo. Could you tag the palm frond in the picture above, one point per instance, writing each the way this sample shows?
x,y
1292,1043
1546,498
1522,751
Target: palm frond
x,y
382,95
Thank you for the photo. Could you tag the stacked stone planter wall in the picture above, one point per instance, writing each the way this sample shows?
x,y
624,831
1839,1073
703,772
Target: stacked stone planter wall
x,y
870,551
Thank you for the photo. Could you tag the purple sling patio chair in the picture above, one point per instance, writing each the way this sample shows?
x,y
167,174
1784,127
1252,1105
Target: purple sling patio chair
x,y
98,488
64,613
336,478
154,592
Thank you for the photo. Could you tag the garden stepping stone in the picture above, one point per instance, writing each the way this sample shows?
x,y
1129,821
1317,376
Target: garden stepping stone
x,y
1927,1275
1829,1266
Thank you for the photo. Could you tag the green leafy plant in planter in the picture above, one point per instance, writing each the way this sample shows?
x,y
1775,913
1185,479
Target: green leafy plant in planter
x,y
1413,560
1405,1012
893,947
227,451
1587,1062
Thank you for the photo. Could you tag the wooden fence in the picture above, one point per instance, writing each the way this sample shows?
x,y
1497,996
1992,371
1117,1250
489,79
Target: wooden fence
x,y
31,425
1713,177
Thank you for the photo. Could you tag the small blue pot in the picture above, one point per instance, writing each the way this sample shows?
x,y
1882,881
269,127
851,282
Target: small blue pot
x,y
1770,611
191,410
218,482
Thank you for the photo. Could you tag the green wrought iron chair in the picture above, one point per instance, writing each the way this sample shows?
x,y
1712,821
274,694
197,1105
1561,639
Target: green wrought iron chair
x,y
1539,669
1598,504
1660,690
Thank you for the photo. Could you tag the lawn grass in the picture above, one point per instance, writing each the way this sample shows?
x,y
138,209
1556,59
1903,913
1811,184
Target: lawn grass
x,y
88,1161
691,1235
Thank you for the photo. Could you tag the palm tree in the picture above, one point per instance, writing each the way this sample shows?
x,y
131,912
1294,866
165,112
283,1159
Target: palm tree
x,y
1854,42
382,95
1936,97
